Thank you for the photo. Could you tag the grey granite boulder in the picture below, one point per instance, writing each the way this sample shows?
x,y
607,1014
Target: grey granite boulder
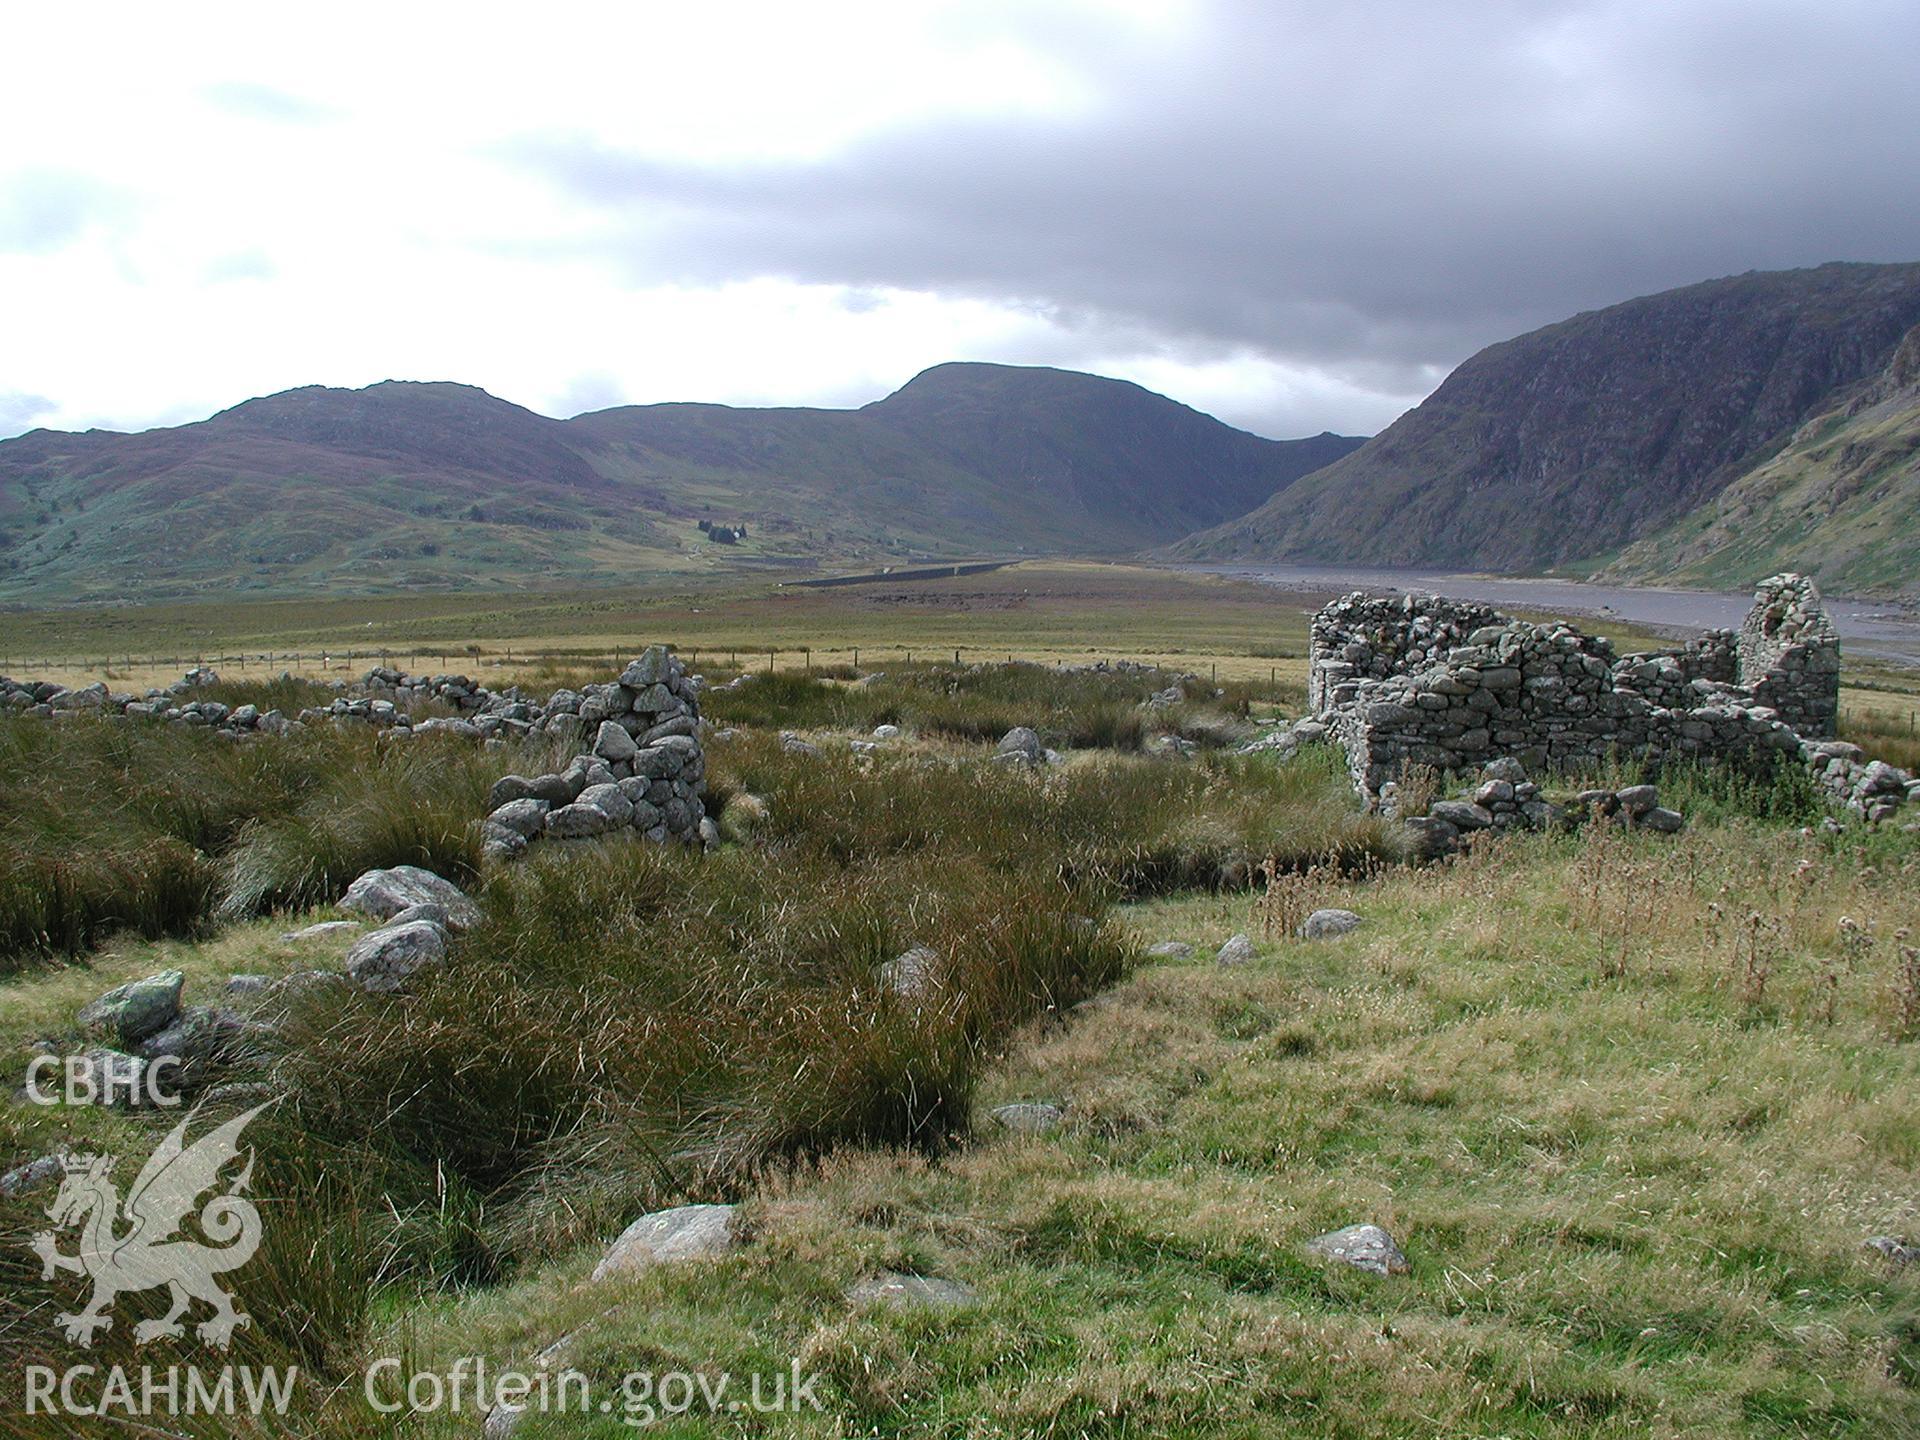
x,y
385,893
686,1232
1325,924
385,960
1020,745
911,973
526,816
577,822
1237,951
1461,814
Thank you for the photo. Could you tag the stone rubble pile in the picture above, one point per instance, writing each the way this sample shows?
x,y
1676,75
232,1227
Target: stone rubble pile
x,y
1505,799
645,771
1420,681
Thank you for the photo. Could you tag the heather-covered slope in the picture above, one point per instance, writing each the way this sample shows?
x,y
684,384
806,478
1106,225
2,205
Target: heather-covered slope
x,y
405,485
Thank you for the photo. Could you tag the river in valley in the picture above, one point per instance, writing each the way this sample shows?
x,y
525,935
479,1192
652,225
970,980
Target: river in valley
x,y
1876,627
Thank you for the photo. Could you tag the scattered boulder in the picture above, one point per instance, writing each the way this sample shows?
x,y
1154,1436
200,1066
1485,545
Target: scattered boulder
x,y
1237,951
1325,924
131,1012
1027,1117
385,893
1899,1251
41,1174
686,1232
912,973
1020,746
1365,1247
201,1034
903,1292
1170,950
886,732
386,959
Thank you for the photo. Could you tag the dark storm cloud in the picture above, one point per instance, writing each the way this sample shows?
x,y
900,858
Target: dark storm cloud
x,y
1369,190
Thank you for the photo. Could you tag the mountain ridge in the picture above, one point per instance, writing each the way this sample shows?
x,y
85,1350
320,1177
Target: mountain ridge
x,y
410,484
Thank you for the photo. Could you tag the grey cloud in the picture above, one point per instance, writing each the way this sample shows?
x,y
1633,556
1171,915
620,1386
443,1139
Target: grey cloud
x,y
1374,190
21,412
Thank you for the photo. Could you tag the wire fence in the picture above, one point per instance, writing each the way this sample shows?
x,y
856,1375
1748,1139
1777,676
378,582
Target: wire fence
x,y
428,660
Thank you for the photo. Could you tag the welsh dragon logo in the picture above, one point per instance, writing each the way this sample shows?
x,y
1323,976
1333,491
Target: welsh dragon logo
x,y
135,1246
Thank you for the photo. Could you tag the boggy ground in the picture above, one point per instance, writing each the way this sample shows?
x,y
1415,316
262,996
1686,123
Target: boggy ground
x,y
1629,1103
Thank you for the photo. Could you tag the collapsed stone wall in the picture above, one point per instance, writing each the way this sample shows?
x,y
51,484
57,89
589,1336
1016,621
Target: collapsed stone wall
x,y
384,699
642,766
1422,681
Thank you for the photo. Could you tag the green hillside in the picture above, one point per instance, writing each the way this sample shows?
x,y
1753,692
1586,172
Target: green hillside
x,y
405,486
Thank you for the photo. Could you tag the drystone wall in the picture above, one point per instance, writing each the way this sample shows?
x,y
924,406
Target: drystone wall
x,y
1421,681
641,766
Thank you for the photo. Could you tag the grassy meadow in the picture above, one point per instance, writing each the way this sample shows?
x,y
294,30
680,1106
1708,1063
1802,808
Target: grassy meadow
x,y
1630,1103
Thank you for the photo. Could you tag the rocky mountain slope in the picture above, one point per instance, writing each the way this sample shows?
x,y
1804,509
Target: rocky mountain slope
x,y
1579,439
1840,501
407,485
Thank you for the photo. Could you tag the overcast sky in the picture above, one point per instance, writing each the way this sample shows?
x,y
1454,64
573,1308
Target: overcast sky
x,y
1297,216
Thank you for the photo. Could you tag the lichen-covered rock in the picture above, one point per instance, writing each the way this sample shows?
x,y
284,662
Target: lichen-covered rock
x,y
1326,924
912,973
903,1292
685,1232
131,1012
577,822
386,959
1020,745
1365,1247
385,893
1027,1117
1237,951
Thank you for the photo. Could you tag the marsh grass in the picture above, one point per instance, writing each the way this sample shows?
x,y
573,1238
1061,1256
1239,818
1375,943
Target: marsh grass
x,y
109,826
1071,709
